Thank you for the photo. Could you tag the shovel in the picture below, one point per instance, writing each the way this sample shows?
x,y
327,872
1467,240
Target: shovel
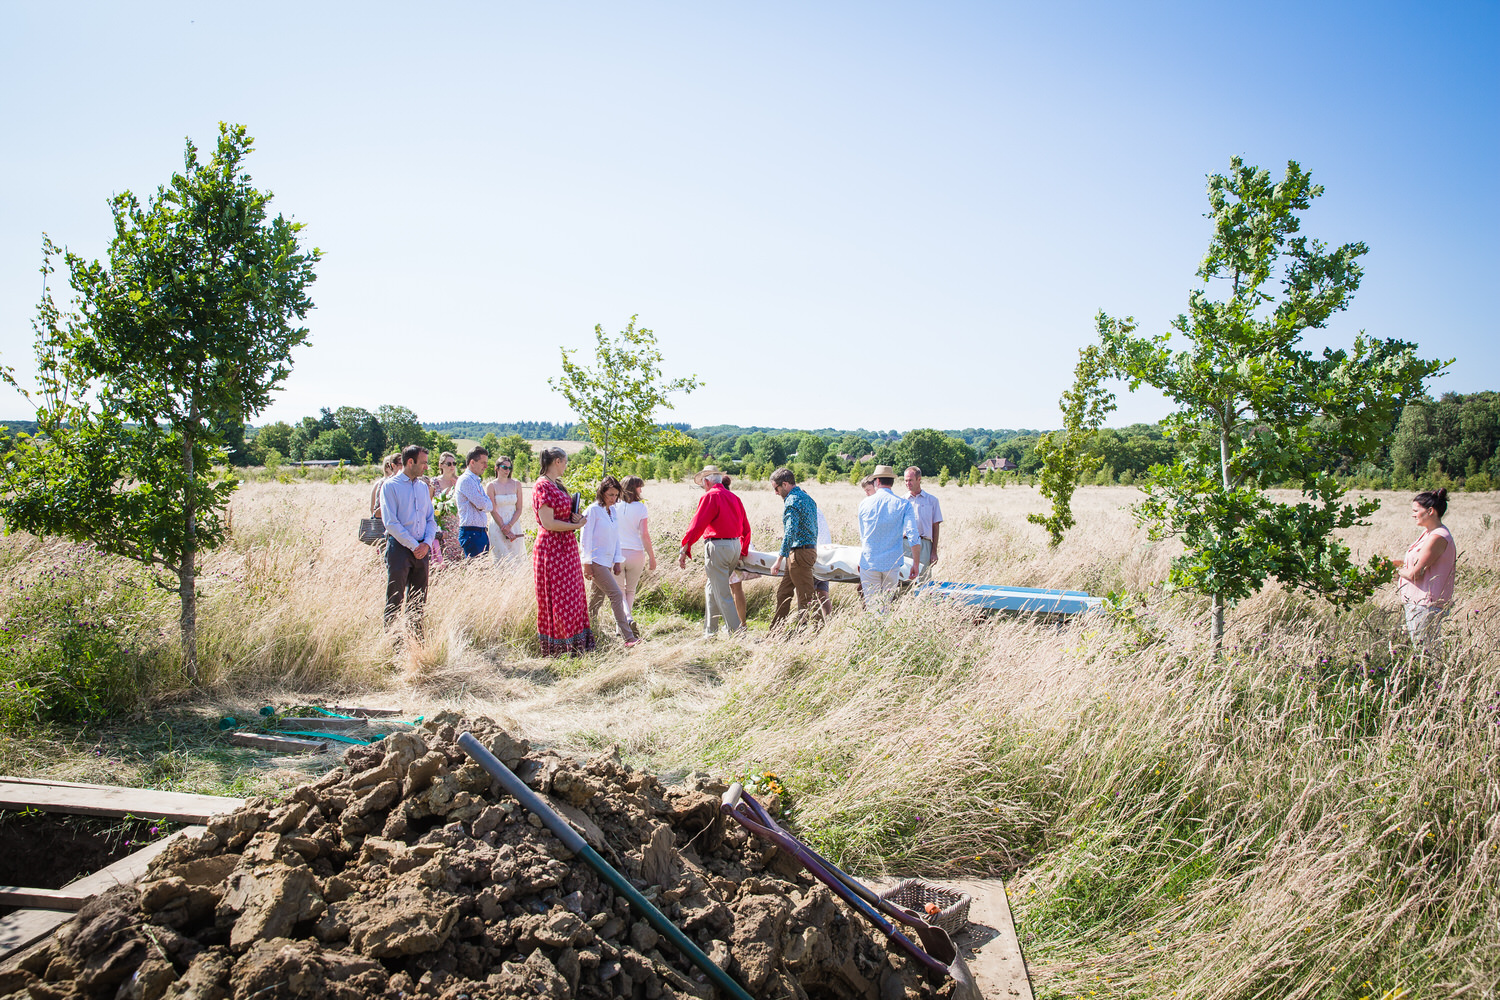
x,y
936,952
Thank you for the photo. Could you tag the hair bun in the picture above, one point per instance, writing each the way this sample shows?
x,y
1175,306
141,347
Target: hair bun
x,y
1441,493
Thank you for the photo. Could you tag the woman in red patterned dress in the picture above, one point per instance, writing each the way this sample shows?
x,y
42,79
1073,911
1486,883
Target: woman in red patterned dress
x,y
562,613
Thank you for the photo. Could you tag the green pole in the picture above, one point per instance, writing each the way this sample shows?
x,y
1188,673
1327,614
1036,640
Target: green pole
x,y
575,843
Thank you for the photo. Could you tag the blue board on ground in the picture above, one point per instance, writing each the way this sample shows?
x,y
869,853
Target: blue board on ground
x,y
1028,600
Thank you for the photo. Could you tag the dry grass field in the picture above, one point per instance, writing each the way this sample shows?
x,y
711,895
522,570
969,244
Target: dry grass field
x,y
1311,814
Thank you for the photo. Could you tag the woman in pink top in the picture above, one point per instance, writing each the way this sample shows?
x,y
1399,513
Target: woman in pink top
x,y
1425,577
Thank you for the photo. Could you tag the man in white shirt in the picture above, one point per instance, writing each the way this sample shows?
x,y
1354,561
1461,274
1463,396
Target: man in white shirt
x,y
474,505
929,519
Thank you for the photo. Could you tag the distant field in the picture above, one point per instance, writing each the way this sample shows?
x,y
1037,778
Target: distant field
x,y
570,447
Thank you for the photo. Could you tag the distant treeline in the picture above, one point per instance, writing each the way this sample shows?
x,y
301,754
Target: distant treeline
x,y
531,430
1450,441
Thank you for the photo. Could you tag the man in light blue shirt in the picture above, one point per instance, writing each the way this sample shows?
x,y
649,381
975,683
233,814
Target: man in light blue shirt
x,y
410,528
885,522
474,505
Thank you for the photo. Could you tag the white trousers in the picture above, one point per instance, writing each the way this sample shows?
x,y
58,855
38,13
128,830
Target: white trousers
x,y
879,588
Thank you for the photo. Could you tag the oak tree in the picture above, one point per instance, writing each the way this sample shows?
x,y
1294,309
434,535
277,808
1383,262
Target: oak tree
x,y
187,324
618,397
1256,410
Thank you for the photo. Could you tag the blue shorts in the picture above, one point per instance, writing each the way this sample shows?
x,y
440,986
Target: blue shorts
x,y
474,541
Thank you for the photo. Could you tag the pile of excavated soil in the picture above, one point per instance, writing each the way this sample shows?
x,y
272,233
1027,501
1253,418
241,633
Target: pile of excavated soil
x,y
409,872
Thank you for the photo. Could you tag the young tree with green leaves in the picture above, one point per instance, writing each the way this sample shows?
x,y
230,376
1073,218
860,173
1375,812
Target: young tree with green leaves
x,y
1067,454
1255,410
618,398
186,323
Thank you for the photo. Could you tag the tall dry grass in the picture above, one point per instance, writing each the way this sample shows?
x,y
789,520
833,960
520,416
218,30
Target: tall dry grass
x,y
1312,815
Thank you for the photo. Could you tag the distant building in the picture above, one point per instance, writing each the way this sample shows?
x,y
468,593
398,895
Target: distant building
x,y
997,465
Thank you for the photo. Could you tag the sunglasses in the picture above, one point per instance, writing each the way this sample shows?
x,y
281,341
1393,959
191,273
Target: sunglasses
x,y
505,467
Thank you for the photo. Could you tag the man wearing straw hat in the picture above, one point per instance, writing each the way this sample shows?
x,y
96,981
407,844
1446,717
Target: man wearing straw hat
x,y
886,521
721,522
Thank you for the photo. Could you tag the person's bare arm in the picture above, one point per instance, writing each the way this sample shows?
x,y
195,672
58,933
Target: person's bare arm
x,y
646,541
551,523
937,527
1427,556
510,526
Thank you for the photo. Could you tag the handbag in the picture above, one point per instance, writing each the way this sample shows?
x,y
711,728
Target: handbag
x,y
371,530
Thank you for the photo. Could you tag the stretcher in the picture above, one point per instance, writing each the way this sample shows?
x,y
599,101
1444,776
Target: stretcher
x,y
840,564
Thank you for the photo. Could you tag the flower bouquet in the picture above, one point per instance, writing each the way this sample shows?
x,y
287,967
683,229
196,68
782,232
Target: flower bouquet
x,y
445,504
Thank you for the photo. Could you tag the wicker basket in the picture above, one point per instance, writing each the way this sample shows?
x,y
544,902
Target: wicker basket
x,y
914,894
371,530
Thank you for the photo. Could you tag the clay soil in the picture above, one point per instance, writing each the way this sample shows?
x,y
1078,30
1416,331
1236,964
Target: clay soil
x,y
408,872
49,850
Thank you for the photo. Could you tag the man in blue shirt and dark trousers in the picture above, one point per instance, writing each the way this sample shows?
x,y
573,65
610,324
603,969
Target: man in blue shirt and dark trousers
x,y
888,527
410,528
800,543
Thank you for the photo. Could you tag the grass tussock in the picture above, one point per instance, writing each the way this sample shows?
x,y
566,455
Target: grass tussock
x,y
1312,814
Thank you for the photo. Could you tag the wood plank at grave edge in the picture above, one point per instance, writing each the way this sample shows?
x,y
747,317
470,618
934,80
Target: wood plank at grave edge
x,y
111,800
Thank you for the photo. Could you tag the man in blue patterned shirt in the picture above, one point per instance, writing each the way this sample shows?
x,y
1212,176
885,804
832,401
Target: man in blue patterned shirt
x,y
888,527
799,549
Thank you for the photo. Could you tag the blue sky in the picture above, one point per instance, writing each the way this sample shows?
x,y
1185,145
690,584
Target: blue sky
x,y
863,214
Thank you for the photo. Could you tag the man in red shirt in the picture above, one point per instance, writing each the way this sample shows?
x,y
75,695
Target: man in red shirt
x,y
721,522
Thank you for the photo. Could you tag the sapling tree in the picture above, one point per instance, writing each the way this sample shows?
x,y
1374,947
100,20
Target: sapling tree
x,y
185,326
1255,410
618,397
1067,454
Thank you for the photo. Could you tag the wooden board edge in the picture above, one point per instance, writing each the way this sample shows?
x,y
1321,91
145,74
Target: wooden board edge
x,y
31,927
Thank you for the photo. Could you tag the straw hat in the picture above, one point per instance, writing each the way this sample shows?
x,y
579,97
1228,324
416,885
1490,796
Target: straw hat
x,y
708,470
884,472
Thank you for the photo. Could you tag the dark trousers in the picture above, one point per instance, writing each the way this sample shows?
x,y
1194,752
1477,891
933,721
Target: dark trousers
x,y
474,541
799,580
405,580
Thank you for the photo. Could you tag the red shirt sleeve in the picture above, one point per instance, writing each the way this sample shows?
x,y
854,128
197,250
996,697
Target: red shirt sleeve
x,y
701,519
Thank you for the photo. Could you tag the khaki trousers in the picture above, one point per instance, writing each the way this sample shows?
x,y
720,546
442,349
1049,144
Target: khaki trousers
x,y
925,573
603,585
720,556
635,565
798,580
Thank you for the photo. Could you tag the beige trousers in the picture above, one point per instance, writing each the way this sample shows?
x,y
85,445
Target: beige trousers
x,y
604,585
635,565
720,556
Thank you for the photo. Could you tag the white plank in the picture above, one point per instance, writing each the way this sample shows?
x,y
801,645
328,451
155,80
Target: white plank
x,y
111,800
26,927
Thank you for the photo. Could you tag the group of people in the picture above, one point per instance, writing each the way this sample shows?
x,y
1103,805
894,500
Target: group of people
x,y
885,521
616,547
485,519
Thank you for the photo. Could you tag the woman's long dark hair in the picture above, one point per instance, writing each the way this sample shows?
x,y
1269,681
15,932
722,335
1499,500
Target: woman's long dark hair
x,y
549,456
630,490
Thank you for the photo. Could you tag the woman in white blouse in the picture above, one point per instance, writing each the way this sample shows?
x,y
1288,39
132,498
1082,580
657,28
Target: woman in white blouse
x,y
635,536
603,560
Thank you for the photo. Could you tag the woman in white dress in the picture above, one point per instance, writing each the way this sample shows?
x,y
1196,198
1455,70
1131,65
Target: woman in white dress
x,y
635,536
507,538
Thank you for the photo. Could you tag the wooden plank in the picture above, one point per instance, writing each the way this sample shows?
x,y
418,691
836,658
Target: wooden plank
x,y
42,899
989,946
366,713
283,744
26,927
112,800
322,722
